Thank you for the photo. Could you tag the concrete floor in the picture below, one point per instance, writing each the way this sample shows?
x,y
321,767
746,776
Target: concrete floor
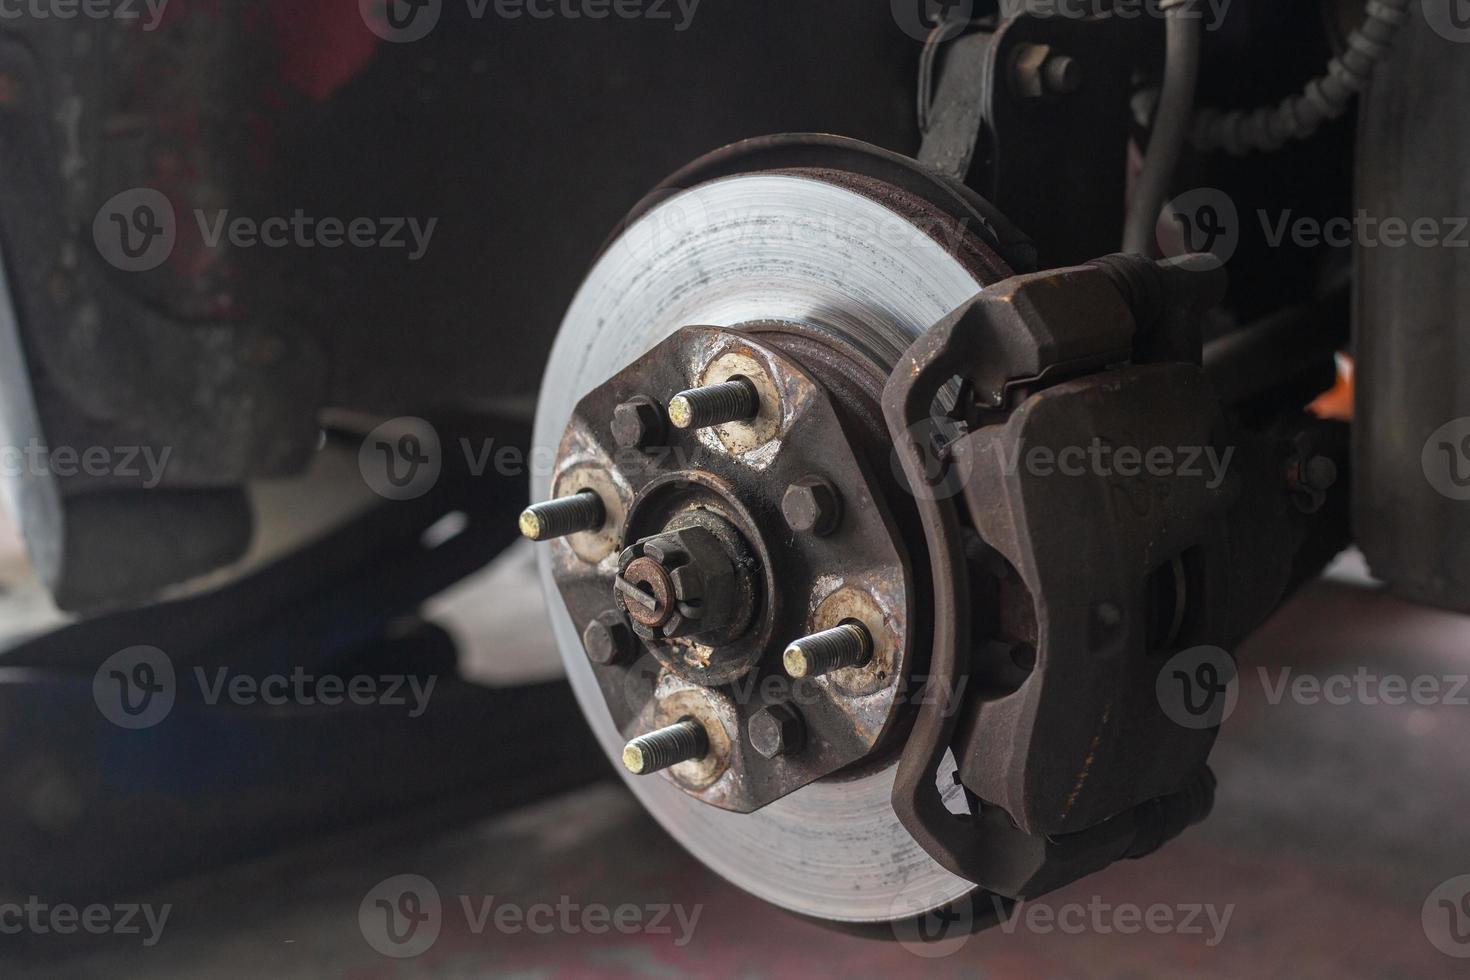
x,y
1333,826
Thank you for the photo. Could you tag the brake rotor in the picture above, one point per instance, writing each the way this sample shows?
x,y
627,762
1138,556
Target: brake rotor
x,y
862,263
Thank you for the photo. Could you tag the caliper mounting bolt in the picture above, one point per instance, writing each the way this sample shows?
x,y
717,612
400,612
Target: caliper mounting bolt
x,y
735,400
582,511
845,645
680,742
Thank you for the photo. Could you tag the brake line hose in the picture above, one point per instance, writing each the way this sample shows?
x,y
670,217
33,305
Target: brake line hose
x,y
1323,99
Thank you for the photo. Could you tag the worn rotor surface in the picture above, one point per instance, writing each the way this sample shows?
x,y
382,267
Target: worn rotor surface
x,y
828,254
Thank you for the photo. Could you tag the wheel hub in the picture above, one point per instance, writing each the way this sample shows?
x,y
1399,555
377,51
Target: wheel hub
x,y
807,289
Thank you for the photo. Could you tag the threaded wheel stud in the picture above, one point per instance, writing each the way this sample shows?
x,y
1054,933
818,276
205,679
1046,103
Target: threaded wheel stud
x,y
683,740
582,511
846,645
699,408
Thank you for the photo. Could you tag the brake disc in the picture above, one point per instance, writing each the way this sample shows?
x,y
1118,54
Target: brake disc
x,y
869,266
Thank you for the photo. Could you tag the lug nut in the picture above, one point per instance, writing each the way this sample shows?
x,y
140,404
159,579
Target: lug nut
x,y
845,645
683,740
699,408
608,639
812,505
638,423
776,730
582,511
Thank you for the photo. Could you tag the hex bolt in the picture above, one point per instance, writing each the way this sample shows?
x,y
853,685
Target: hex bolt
x,y
812,505
582,511
685,739
638,423
608,639
777,729
699,408
845,645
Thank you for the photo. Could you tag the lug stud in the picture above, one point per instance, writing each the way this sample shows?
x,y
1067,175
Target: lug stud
x,y
845,645
680,742
582,511
699,408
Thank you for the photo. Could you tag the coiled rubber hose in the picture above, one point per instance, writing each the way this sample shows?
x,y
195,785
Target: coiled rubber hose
x,y
1323,99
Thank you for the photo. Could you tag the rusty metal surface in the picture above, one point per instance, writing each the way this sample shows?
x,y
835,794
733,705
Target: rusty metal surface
x,y
732,477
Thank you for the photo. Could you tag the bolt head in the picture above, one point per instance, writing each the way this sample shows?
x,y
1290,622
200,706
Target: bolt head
x,y
608,639
812,506
638,423
776,730
1320,473
1062,74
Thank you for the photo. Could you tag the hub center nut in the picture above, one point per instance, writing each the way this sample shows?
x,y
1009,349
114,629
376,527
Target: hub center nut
x,y
692,580
646,591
